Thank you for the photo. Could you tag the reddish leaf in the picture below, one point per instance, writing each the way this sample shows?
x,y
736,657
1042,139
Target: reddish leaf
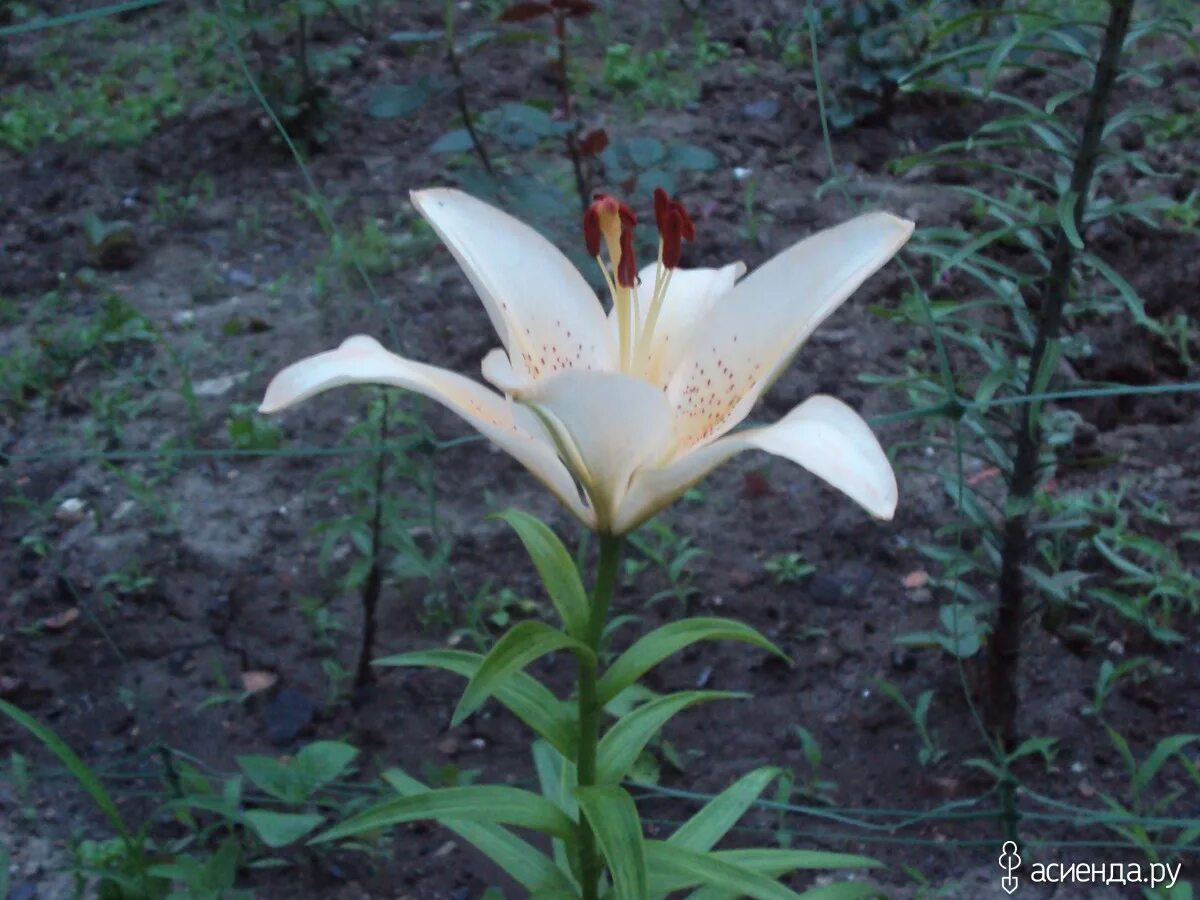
x,y
523,12
60,620
257,682
575,7
983,475
593,142
755,485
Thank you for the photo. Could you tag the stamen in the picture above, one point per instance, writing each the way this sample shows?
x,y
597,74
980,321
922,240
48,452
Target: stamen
x,y
674,227
627,264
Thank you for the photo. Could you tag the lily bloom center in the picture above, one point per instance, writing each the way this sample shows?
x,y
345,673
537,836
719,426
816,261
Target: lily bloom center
x,y
613,221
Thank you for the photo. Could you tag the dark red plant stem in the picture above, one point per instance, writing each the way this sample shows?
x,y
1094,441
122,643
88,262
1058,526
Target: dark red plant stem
x,y
374,583
564,86
460,92
1004,649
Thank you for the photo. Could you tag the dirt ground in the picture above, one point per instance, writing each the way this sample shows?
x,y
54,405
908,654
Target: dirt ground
x,y
226,543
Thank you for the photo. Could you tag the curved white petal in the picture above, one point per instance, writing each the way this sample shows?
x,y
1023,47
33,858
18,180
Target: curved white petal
x,y
607,426
546,315
691,294
361,360
822,434
498,372
750,337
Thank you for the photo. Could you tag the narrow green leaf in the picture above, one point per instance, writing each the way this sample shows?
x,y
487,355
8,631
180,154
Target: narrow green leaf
x,y
76,766
623,743
527,865
417,37
1003,49
484,803
652,649
521,645
280,829
676,868
1163,750
1066,218
618,828
780,861
523,694
555,567
846,890
558,779
713,821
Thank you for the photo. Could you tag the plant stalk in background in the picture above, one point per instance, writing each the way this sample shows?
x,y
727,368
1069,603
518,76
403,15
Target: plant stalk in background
x,y
1005,648
460,90
374,581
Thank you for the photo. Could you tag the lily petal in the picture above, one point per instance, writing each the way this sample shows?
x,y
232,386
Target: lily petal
x,y
546,315
691,294
822,434
750,337
498,372
361,360
607,425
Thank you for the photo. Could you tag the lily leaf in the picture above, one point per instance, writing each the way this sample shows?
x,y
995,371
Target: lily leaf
x,y
652,649
558,779
527,865
523,694
521,645
620,747
618,828
556,568
702,831
483,803
85,776
676,868
772,861
748,873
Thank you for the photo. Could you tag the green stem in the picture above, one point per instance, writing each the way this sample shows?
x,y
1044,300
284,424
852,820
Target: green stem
x,y
589,709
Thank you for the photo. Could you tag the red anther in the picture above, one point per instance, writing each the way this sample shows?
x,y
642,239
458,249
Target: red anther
x,y
672,246
662,207
675,226
591,230
627,268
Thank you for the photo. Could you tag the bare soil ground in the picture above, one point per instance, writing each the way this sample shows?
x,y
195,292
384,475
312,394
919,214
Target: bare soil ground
x,y
231,552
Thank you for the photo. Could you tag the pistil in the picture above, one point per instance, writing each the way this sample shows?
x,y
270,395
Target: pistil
x,y
613,221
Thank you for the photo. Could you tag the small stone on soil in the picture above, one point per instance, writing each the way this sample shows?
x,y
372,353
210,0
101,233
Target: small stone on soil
x,y
825,590
71,511
241,278
287,715
763,110
920,596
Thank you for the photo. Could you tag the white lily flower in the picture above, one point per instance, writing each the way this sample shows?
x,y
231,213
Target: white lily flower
x,y
635,406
